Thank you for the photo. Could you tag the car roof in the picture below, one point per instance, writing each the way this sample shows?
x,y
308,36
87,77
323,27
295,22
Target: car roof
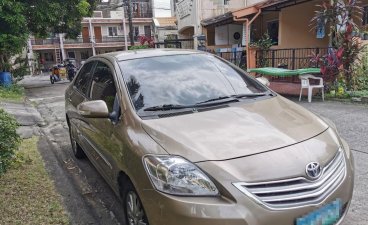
x,y
144,53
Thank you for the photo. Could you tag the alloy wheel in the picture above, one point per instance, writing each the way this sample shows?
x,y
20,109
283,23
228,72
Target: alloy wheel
x,y
134,210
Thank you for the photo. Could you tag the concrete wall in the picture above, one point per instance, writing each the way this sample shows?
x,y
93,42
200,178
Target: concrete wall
x,y
161,8
212,8
161,34
295,30
224,35
294,26
197,10
253,2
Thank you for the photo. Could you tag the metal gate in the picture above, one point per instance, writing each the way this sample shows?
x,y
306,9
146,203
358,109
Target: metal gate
x,y
176,43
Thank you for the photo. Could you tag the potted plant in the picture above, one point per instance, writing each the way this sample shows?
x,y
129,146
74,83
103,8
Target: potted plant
x,y
263,45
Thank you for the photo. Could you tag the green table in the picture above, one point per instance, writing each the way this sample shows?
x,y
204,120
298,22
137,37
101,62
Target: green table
x,y
271,71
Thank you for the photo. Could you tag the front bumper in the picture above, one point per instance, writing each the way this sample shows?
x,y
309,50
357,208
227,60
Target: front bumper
x,y
233,207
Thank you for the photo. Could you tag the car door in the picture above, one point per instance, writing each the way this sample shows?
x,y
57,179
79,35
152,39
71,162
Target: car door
x,y
98,131
75,95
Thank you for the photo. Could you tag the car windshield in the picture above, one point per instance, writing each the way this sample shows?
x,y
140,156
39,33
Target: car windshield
x,y
184,80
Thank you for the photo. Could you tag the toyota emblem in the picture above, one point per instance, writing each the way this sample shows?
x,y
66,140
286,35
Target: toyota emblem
x,y
313,170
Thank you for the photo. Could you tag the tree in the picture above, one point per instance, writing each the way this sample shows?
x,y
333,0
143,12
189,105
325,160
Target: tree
x,y
12,36
339,15
20,18
56,16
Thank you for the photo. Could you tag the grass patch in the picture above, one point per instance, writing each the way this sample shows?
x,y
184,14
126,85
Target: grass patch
x,y
12,93
348,95
361,93
27,195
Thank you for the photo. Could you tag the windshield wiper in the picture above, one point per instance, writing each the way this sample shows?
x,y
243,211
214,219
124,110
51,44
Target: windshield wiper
x,y
220,99
166,107
249,95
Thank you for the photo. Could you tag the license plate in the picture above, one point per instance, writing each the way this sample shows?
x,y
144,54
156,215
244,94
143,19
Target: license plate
x,y
327,215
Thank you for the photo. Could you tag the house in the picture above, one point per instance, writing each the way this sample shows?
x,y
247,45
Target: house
x,y
190,13
288,23
101,33
164,27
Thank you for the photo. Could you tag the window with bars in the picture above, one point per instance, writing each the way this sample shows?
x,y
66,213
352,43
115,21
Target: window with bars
x,y
113,31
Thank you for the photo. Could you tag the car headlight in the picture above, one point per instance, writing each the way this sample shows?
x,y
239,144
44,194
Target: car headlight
x,y
177,176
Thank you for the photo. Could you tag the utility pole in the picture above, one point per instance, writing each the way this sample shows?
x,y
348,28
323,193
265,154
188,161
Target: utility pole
x,y
130,20
125,31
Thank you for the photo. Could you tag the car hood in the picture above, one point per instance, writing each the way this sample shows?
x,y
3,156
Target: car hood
x,y
236,131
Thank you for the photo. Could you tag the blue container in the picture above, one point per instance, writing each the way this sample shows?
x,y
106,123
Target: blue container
x,y
5,79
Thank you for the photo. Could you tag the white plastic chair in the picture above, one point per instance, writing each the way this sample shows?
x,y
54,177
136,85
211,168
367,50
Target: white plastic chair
x,y
305,84
264,81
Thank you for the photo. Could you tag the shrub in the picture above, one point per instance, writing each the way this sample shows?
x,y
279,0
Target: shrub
x,y
135,47
361,72
13,92
9,140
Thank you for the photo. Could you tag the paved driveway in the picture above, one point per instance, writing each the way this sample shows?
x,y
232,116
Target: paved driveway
x,y
352,123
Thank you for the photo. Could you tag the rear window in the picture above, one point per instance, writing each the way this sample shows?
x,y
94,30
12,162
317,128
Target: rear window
x,y
183,80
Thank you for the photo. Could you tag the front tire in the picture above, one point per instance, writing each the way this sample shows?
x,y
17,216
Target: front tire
x,y
52,79
77,150
134,212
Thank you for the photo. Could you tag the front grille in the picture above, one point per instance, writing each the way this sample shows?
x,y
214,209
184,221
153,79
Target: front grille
x,y
298,191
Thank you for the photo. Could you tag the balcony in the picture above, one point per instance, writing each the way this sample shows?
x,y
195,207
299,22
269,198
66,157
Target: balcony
x,y
142,14
48,41
82,42
76,41
103,39
107,39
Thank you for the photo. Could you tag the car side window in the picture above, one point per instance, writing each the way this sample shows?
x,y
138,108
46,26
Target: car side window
x,y
84,77
103,85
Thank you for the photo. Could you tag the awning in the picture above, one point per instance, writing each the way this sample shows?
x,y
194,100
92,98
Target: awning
x,y
218,20
269,5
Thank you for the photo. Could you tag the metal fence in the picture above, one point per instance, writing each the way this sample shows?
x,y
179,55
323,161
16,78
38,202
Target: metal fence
x,y
236,57
291,58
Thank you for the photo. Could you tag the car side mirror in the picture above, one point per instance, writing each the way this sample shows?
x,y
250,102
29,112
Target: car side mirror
x,y
93,109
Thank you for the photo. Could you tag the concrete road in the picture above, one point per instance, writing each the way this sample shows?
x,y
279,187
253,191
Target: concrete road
x,y
88,198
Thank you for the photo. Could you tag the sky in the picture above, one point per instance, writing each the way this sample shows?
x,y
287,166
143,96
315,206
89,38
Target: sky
x,y
162,8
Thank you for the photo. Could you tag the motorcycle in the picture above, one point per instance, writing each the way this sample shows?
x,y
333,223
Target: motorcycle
x,y
71,73
57,73
54,78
